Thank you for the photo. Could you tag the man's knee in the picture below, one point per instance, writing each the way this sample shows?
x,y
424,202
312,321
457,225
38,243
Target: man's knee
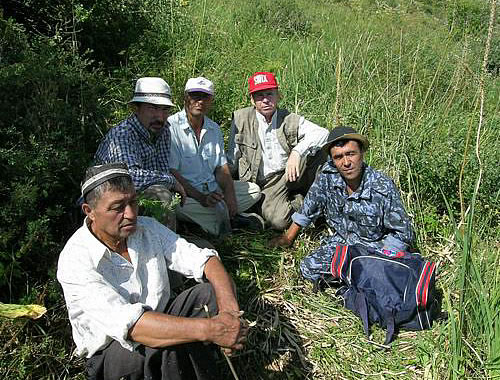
x,y
158,192
198,301
206,296
280,224
278,221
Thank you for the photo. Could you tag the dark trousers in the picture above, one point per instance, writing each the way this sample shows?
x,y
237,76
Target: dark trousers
x,y
184,361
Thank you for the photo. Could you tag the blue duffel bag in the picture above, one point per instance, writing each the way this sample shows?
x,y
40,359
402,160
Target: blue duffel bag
x,y
393,289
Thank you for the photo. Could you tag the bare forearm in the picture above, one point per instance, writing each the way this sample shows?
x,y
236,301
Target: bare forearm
x,y
292,231
286,239
222,284
224,179
161,330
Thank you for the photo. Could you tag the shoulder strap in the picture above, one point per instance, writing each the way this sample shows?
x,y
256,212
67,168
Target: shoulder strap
x,y
422,291
362,308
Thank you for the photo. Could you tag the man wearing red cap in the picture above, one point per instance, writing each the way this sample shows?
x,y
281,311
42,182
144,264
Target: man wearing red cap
x,y
278,150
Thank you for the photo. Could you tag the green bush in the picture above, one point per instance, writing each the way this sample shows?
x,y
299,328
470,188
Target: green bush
x,y
104,29
283,17
50,107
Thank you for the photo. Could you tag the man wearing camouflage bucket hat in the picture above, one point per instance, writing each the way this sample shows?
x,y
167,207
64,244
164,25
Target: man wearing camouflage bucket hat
x,y
142,141
360,204
115,274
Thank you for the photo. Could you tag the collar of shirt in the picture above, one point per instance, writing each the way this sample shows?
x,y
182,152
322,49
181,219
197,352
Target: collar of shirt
x,y
364,191
184,122
96,248
263,122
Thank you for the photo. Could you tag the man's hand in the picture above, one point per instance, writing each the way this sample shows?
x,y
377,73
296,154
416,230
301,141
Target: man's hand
x,y
178,188
227,331
287,239
280,241
210,200
293,167
231,203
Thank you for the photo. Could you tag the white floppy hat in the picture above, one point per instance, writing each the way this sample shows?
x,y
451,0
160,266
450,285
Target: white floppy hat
x,y
199,84
152,90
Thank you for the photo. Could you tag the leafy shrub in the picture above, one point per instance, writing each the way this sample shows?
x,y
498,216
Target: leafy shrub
x,y
102,28
468,17
436,163
49,106
494,56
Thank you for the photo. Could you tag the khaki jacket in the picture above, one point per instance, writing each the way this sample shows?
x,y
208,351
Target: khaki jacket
x,y
246,137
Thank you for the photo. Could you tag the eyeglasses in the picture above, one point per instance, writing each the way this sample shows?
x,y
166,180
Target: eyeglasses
x,y
260,95
198,95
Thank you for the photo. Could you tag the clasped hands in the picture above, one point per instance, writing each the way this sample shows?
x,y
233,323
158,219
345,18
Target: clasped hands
x,y
229,330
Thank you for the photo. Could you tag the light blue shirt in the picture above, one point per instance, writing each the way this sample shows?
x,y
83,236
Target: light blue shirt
x,y
196,162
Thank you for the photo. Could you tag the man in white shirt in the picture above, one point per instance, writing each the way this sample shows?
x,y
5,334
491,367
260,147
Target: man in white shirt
x,y
114,274
278,150
198,162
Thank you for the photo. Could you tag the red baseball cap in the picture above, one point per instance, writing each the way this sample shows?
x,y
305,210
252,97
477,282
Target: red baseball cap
x,y
261,80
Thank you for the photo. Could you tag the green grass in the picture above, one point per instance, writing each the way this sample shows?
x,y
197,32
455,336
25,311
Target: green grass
x,y
409,79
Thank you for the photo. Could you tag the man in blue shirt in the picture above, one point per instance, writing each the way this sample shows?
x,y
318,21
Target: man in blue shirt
x,y
198,161
142,141
360,204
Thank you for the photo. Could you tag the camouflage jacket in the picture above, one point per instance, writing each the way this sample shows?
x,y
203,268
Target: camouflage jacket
x,y
373,215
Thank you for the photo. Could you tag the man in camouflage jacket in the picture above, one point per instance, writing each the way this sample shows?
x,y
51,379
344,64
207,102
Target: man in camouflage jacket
x,y
360,204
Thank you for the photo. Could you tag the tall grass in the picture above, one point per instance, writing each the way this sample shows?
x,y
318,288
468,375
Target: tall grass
x,y
407,76
478,316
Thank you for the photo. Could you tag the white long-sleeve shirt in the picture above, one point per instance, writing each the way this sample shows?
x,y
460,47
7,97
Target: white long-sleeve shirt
x,y
106,294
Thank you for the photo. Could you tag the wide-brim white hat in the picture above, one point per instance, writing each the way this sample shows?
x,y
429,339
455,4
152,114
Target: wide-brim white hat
x,y
152,90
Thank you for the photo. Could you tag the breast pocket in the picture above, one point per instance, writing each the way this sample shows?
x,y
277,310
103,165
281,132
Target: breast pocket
x,y
248,150
370,226
245,142
190,163
210,156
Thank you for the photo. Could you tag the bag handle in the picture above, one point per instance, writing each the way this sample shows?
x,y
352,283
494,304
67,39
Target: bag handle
x,y
362,308
391,326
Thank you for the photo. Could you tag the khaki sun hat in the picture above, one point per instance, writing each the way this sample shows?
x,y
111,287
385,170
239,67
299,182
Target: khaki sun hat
x,y
152,90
